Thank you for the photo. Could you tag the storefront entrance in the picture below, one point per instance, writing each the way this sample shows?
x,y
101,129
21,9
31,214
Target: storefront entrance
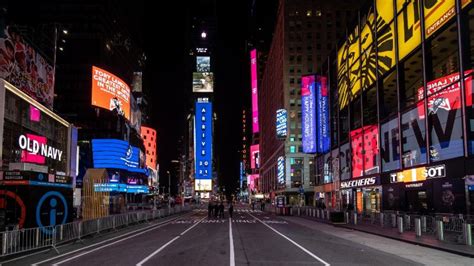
x,y
417,201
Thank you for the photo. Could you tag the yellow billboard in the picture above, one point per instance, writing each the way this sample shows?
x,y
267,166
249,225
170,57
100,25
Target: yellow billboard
x,y
438,12
408,23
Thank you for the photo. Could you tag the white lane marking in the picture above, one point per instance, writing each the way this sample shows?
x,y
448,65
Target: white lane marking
x,y
158,225
167,244
231,240
293,242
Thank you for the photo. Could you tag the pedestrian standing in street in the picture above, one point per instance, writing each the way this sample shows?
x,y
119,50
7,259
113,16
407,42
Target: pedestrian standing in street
x,y
262,206
231,209
216,210
221,210
210,207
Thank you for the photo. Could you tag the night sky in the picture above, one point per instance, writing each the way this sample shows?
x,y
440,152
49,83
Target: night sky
x,y
170,83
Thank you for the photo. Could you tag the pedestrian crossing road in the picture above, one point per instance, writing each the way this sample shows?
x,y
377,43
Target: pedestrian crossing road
x,y
250,237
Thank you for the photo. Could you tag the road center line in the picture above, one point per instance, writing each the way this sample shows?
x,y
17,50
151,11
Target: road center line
x,y
147,228
293,242
231,240
168,243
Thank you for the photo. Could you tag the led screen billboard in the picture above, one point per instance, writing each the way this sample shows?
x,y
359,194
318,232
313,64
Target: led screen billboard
x,y
116,154
110,92
255,159
254,81
203,139
323,115
203,82
308,102
203,63
281,170
203,185
149,139
281,123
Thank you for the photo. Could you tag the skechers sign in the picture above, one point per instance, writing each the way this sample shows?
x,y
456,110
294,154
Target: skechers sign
x,y
359,182
116,154
36,146
281,123
203,139
308,114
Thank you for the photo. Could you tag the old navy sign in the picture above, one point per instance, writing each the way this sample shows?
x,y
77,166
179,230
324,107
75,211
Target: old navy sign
x,y
203,139
363,182
37,146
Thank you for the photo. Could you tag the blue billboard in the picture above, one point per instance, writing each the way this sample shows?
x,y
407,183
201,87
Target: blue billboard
x,y
308,102
115,187
116,154
281,124
203,139
322,115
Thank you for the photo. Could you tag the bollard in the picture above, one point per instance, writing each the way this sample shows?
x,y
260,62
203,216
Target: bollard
x,y
400,224
394,220
347,217
418,227
440,230
291,211
322,214
355,218
467,228
408,224
299,211
423,224
381,219
318,214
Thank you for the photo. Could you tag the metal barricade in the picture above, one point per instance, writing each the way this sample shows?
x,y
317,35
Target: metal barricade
x,y
18,241
89,227
67,232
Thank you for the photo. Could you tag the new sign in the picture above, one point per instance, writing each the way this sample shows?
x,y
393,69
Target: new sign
x,y
203,139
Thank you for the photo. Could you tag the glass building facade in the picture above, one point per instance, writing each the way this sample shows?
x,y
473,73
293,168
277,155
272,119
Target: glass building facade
x,y
401,104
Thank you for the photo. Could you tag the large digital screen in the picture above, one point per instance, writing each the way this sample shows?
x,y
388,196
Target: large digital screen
x,y
203,139
255,156
281,123
25,68
149,140
254,81
203,185
110,92
203,63
116,154
203,82
118,187
251,181
323,115
308,102
281,170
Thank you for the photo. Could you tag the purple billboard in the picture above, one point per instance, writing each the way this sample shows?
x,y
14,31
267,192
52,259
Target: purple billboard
x,y
308,104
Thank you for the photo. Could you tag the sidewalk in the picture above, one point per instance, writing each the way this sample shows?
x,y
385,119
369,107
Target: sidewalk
x,y
425,240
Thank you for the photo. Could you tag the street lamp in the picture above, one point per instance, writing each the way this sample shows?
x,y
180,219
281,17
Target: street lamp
x,y
169,187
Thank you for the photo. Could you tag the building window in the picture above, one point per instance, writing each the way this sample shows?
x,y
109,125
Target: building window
x,y
388,103
318,13
413,138
296,172
309,13
389,148
292,80
411,79
292,149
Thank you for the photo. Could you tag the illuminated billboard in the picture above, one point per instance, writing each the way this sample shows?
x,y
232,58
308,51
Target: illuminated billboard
x,y
254,81
110,92
203,82
308,102
24,68
376,38
255,156
323,133
281,170
203,139
203,63
365,150
116,154
149,140
203,185
251,181
281,124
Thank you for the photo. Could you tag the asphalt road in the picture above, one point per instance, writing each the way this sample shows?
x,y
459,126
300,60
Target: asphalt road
x,y
249,238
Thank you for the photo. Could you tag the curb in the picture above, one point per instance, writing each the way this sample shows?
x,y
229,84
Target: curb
x,y
457,252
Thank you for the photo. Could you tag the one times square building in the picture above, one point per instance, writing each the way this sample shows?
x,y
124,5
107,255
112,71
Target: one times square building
x,y
401,116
